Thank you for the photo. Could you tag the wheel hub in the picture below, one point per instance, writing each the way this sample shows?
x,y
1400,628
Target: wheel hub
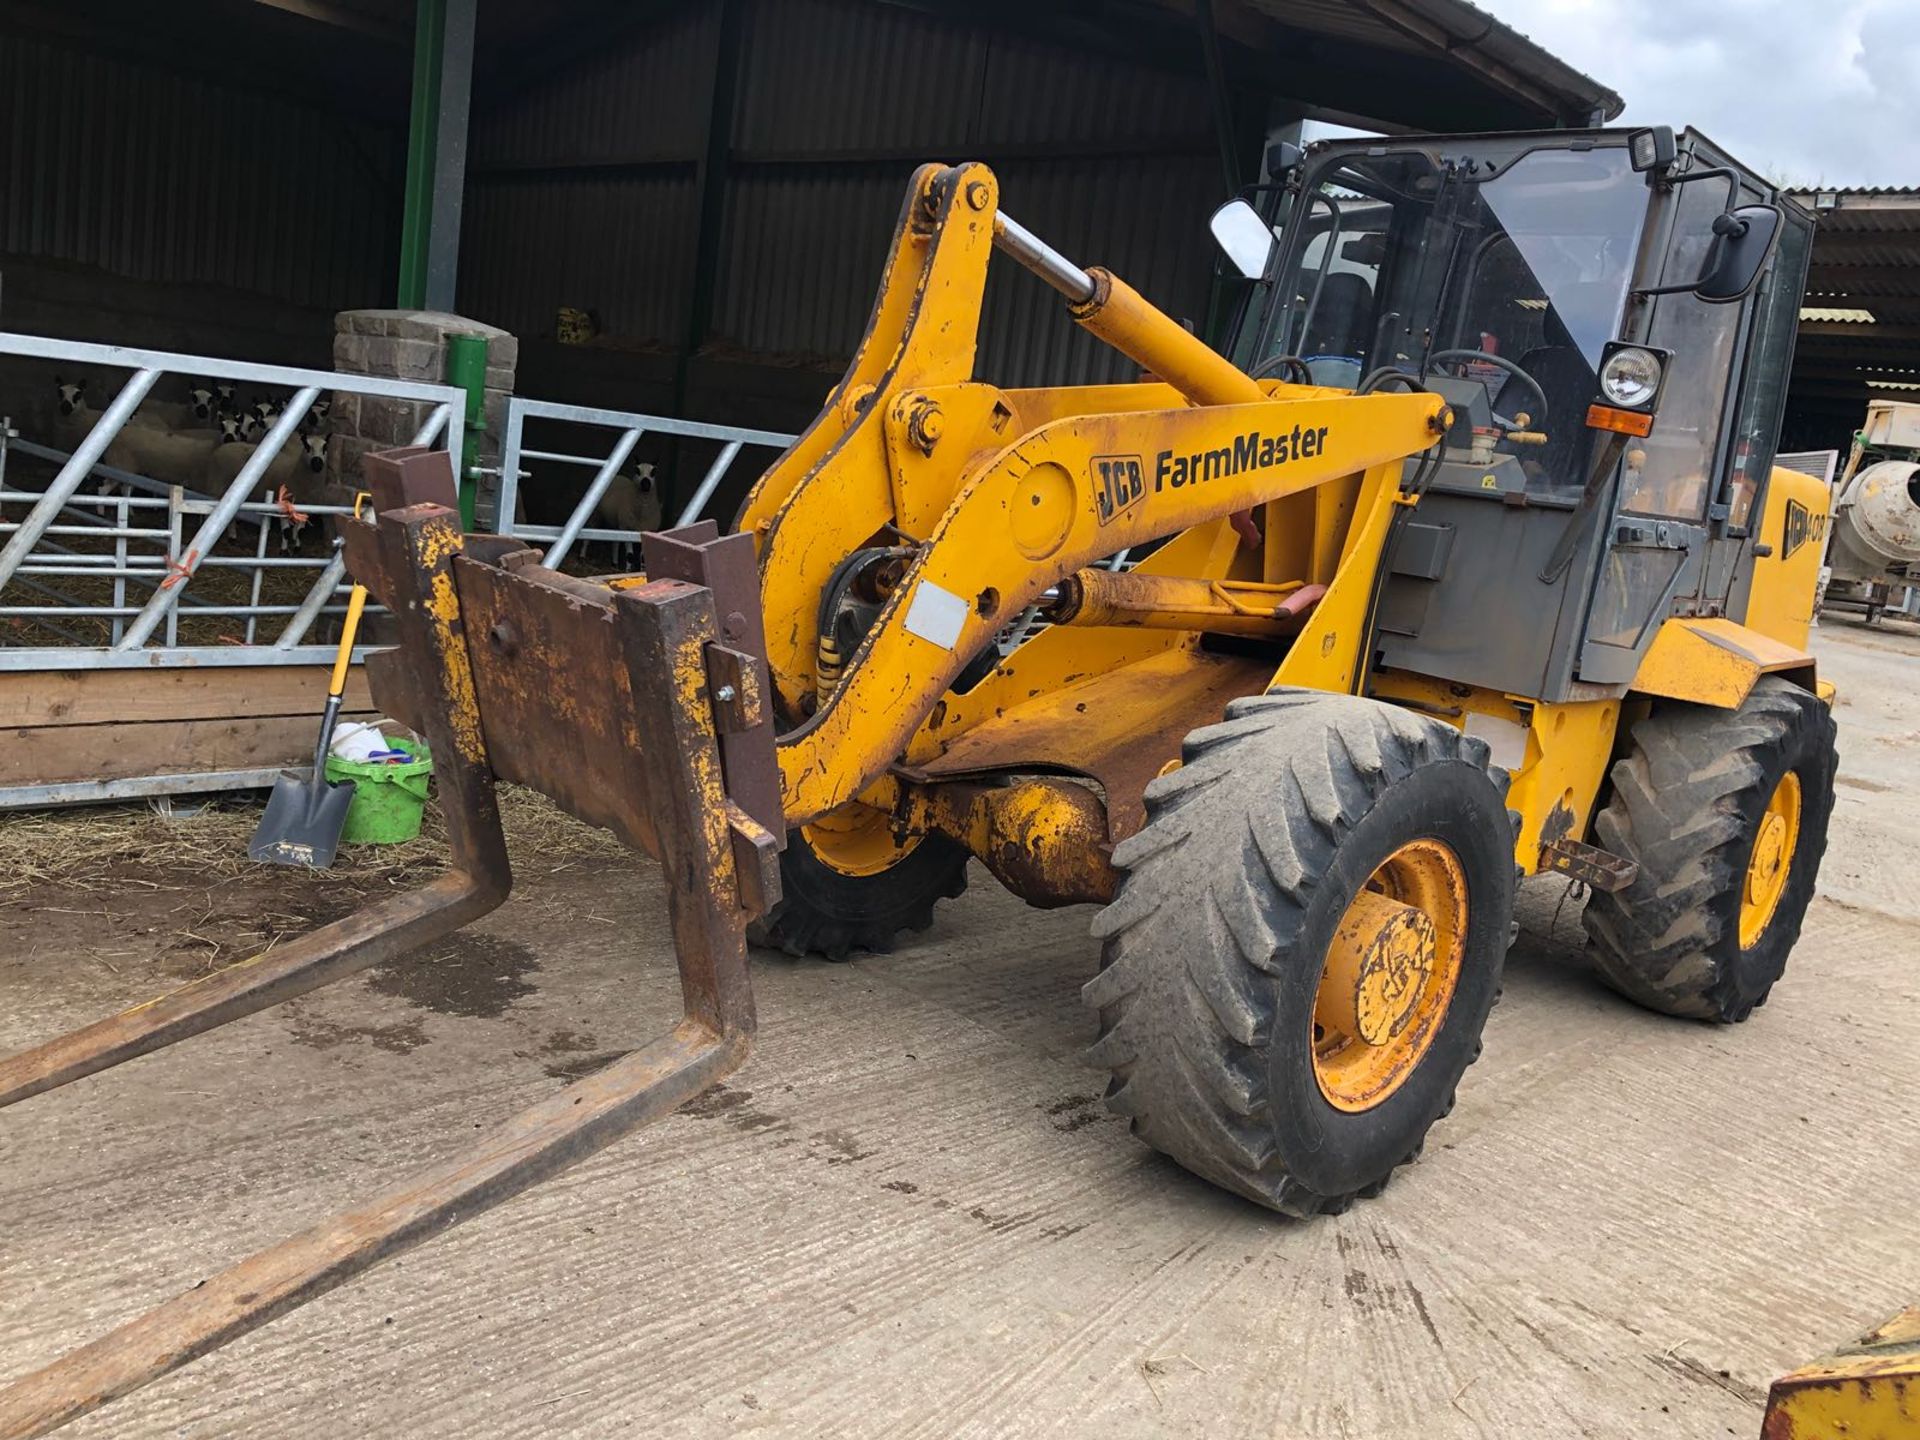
x,y
1774,842
857,840
1768,851
1390,973
1382,957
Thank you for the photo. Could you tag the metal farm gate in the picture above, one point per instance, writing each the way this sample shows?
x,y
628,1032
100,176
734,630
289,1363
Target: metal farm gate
x,y
152,640
129,603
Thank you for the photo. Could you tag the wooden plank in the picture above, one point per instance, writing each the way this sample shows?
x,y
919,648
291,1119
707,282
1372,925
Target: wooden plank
x,y
55,754
101,697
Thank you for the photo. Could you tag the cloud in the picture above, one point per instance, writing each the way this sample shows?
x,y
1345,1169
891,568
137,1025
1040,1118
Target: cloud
x,y
1806,93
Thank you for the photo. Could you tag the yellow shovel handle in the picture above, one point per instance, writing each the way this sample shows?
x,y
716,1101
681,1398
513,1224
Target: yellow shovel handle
x,y
356,602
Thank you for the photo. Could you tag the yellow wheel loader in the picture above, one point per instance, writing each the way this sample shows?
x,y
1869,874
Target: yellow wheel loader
x,y
1465,562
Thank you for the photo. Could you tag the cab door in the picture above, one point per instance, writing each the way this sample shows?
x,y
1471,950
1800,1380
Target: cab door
x,y
1655,557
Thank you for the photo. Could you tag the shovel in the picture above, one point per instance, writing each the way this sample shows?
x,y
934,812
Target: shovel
x,y
304,816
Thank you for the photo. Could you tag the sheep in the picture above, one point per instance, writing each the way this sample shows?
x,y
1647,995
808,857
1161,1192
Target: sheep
x,y
163,455
76,415
631,502
196,412
296,470
259,417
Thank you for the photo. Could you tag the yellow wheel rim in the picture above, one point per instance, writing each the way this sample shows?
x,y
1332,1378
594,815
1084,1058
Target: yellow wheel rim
x,y
1774,842
856,839
1389,976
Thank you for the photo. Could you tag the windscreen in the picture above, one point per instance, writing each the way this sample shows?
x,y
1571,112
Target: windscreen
x,y
1401,255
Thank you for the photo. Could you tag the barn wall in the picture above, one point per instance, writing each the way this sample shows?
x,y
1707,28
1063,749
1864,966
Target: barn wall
x,y
143,205
584,192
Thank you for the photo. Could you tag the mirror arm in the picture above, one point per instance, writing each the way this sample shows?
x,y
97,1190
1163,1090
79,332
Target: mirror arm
x,y
1733,193
1710,173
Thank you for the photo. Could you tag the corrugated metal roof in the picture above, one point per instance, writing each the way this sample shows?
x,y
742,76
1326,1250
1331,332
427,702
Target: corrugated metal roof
x,y
1469,38
1866,262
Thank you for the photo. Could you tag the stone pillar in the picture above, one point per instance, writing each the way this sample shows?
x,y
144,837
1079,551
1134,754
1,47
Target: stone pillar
x,y
410,345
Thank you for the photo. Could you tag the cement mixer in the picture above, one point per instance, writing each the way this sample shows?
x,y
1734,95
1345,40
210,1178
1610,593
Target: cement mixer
x,y
1874,550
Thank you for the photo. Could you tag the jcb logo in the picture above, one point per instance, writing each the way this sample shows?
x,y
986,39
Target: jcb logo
x,y
1802,525
1118,483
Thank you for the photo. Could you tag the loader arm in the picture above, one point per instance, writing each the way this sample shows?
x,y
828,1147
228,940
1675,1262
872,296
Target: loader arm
x,y
1042,510
1001,495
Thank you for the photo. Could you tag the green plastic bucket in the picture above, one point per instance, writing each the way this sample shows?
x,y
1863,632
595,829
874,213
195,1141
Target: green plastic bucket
x,y
387,799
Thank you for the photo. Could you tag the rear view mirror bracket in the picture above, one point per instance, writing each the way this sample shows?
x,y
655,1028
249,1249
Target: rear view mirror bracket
x,y
1743,239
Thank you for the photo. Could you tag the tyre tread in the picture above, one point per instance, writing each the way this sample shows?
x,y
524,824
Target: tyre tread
x,y
1184,1015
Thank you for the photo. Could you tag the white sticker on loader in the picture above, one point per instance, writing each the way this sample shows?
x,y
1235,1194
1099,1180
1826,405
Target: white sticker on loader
x,y
937,615
1506,741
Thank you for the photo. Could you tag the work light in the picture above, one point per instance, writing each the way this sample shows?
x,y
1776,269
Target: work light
x,y
1630,377
1652,148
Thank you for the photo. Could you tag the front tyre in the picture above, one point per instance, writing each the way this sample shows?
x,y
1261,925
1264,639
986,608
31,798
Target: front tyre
x,y
1725,812
845,886
1306,940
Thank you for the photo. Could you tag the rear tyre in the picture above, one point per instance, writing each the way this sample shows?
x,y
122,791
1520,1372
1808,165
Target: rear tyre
x,y
1726,813
1306,940
826,911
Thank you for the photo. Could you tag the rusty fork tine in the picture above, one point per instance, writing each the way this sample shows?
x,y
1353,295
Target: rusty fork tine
x,y
539,1142
364,938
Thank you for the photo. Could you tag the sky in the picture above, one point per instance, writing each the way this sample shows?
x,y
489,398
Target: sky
x,y
1808,92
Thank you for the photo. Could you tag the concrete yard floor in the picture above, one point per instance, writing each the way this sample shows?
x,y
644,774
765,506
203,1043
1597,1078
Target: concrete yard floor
x,y
910,1215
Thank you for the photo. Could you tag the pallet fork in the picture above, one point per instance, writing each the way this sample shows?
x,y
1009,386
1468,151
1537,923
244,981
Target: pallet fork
x,y
492,647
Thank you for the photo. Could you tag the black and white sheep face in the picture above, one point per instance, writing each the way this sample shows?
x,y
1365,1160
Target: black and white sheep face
x,y
233,429
256,419
313,452
202,398
72,393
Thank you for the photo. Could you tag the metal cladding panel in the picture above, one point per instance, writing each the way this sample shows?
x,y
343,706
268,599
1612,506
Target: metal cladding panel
x,y
840,77
867,91
801,259
160,176
643,96
804,254
837,101
1038,95
1143,218
620,246
819,76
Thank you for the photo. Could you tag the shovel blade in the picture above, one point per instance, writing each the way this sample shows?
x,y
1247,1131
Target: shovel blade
x,y
303,822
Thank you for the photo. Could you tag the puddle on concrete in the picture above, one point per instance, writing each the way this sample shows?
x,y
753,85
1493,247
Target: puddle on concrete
x,y
475,976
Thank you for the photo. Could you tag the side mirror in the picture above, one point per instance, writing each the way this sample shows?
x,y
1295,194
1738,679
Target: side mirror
x,y
1246,238
1743,239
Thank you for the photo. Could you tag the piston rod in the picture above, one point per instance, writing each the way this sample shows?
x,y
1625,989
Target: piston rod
x,y
1112,309
1042,259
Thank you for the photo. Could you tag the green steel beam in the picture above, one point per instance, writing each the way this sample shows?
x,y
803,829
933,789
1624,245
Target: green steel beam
x,y
423,124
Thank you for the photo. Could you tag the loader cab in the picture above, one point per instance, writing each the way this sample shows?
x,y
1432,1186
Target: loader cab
x,y
1610,315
